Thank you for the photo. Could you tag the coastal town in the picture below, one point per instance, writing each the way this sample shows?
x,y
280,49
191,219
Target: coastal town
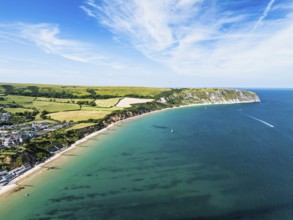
x,y
13,136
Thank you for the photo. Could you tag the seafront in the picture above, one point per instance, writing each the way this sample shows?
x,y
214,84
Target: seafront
x,y
16,183
200,170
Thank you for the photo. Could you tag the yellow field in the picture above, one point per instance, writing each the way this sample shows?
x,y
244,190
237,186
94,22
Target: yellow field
x,y
107,102
93,108
78,115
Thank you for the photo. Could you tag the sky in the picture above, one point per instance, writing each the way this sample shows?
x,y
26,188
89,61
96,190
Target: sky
x,y
155,43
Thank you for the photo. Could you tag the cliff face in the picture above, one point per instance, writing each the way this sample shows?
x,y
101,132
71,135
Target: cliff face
x,y
185,97
209,96
123,115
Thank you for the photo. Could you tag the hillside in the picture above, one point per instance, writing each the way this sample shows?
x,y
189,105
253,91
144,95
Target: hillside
x,y
67,91
38,121
207,96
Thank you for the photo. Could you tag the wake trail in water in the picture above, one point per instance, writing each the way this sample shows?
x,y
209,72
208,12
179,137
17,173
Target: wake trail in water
x,y
262,121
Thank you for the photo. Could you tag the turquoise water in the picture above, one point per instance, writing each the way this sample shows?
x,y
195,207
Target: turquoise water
x,y
221,162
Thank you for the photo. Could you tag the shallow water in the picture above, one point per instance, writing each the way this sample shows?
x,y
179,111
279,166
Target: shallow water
x,y
219,163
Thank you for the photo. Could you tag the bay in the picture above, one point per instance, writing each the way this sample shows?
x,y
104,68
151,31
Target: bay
x,y
220,162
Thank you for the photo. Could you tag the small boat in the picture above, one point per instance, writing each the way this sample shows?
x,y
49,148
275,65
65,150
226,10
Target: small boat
x,y
26,195
172,131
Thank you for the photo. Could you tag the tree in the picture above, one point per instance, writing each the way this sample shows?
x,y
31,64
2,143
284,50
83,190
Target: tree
x,y
34,90
43,114
8,88
92,92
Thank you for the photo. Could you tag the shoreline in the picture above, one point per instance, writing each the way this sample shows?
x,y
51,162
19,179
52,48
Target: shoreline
x,y
15,186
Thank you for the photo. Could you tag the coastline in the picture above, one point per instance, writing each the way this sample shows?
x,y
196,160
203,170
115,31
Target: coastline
x,y
15,185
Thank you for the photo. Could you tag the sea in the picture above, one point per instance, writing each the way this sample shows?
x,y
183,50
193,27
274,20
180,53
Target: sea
x,y
215,162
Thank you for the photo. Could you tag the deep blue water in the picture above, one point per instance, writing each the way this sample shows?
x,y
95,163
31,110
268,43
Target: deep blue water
x,y
221,162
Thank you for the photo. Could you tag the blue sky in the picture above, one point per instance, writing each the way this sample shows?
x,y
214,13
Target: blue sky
x,y
164,43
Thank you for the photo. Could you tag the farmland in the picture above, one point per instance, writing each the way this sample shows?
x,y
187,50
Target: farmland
x,y
18,110
107,102
53,106
60,91
21,100
77,116
38,119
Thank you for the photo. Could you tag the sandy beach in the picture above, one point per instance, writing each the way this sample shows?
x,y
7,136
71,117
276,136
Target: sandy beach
x,y
18,183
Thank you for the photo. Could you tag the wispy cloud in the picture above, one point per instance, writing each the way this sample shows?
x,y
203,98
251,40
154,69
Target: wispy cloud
x,y
198,36
264,15
47,38
87,11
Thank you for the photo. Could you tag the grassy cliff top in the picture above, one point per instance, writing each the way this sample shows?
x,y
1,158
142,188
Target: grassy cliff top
x,y
71,91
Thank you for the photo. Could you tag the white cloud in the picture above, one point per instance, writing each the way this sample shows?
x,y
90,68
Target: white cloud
x,y
46,37
195,37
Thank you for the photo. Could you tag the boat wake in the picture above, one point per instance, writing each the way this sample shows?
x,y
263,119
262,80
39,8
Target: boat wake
x,y
262,121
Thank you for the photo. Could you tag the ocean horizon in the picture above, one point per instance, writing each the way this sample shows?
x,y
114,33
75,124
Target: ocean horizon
x,y
203,162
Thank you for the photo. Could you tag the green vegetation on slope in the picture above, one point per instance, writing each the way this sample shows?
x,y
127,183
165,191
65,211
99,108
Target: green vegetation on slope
x,y
92,108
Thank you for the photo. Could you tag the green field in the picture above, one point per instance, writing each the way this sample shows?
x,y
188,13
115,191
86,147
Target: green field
x,y
82,100
63,100
53,106
54,100
77,116
21,100
79,91
17,110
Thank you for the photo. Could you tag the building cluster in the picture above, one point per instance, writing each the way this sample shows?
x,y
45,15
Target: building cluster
x,y
6,177
14,135
4,117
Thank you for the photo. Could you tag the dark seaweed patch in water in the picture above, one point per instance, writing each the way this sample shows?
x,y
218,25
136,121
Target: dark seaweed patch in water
x,y
80,187
208,177
67,216
170,184
136,189
248,214
151,186
160,127
139,179
41,218
148,208
126,154
91,195
66,198
52,212
114,192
